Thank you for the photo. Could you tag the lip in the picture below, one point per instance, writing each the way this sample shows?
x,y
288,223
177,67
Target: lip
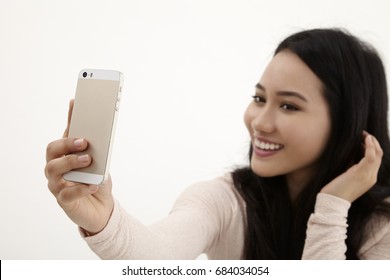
x,y
263,153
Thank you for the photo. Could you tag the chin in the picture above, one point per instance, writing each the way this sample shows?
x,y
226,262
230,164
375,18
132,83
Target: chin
x,y
264,172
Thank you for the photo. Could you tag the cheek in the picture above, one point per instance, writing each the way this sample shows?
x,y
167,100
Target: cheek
x,y
249,116
310,140
322,140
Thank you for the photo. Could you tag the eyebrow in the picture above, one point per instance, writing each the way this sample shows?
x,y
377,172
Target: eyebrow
x,y
284,92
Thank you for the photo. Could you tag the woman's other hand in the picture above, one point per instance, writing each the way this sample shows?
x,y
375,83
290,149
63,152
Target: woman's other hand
x,y
362,176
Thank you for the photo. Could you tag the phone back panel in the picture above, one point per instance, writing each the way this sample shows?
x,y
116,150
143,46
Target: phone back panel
x,y
93,119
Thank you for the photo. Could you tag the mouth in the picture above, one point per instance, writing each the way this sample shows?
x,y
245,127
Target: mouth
x,y
266,145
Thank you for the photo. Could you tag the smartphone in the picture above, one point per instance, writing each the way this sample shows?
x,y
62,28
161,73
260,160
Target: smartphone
x,y
94,116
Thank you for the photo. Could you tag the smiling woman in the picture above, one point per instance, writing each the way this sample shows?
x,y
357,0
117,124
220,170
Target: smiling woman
x,y
289,110
298,196
317,186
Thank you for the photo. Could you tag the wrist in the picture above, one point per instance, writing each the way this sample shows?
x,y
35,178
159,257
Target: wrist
x,y
92,232
87,233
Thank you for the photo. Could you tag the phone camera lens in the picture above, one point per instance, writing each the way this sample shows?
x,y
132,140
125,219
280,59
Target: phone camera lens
x,y
85,74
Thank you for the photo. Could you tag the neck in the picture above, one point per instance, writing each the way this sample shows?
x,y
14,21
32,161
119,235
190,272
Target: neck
x,y
297,181
295,185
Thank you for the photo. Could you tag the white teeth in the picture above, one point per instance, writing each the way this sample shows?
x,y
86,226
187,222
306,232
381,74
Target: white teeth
x,y
267,146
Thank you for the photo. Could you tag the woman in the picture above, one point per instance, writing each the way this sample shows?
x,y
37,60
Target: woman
x,y
318,178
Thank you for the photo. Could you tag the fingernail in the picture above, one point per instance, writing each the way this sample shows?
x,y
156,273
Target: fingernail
x,y
78,142
83,159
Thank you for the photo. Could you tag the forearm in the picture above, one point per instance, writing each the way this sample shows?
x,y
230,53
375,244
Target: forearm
x,y
112,242
327,229
179,236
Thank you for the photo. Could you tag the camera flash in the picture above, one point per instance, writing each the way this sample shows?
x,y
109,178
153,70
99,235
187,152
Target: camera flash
x,y
91,75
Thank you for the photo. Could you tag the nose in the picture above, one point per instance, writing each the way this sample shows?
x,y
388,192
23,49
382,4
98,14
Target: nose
x,y
264,121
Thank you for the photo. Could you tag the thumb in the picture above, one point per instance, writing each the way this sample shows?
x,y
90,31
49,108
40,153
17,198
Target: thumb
x,y
70,110
71,194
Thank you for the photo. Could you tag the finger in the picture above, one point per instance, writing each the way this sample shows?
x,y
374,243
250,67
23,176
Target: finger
x,y
57,167
65,146
370,163
70,110
378,148
370,153
73,193
364,136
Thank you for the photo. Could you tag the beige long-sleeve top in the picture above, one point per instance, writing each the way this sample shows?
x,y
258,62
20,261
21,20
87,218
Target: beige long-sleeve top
x,y
209,217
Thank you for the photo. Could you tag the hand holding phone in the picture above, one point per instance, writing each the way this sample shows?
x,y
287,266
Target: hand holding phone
x,y
91,122
88,206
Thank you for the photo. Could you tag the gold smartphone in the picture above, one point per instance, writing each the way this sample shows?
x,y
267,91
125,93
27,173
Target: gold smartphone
x,y
94,116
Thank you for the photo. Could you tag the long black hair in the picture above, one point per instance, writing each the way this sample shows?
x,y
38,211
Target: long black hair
x,y
354,86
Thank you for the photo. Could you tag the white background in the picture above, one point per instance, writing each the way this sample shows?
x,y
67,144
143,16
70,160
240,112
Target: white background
x,y
190,68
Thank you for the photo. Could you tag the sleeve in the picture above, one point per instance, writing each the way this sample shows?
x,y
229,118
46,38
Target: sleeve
x,y
377,245
191,228
327,229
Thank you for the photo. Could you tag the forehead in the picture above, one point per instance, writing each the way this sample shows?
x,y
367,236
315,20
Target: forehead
x,y
286,71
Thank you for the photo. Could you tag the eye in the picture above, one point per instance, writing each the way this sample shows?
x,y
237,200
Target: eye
x,y
258,99
289,107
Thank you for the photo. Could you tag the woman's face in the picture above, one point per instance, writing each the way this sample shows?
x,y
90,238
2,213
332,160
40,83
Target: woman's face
x,y
288,120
